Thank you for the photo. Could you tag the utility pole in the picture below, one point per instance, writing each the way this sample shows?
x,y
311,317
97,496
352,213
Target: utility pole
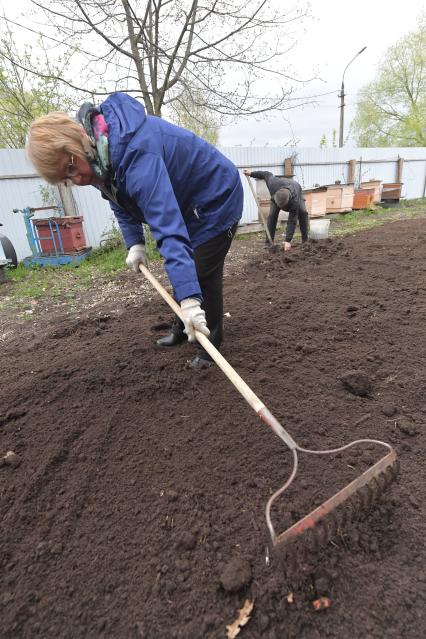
x,y
342,99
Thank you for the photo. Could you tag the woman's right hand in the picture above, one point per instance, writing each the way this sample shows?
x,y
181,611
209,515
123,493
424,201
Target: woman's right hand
x,y
136,256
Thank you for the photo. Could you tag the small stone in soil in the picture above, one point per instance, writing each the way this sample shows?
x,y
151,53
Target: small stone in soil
x,y
357,383
12,459
322,585
407,427
187,541
389,410
236,575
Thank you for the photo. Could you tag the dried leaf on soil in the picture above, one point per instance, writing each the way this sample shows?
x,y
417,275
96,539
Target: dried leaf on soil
x,y
322,603
243,618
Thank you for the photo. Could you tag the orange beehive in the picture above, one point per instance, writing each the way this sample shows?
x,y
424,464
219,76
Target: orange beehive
x,y
363,199
376,185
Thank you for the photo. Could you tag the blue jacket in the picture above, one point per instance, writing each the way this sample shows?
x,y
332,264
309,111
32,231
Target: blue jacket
x,y
181,186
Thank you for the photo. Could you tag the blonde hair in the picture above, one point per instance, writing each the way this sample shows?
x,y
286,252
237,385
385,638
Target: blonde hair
x,y
50,139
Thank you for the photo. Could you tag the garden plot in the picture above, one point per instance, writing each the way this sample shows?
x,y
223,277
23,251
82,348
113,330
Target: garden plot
x,y
134,506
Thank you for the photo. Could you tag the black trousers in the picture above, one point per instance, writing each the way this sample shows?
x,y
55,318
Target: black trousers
x,y
300,214
297,213
209,262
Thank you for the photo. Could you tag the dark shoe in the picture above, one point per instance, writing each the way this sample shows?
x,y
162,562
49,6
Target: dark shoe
x,y
198,363
177,336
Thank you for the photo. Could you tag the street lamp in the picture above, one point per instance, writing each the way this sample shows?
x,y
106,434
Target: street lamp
x,y
342,98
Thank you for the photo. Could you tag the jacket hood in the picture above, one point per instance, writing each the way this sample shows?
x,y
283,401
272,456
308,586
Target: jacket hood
x,y
125,116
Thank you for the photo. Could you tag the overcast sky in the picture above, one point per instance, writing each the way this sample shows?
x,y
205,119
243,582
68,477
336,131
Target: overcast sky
x,y
328,41
336,33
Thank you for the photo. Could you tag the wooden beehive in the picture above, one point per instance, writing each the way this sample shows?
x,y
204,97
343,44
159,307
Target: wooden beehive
x,y
316,201
376,185
339,198
363,199
391,191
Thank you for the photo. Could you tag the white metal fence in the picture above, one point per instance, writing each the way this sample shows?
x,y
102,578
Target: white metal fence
x,y
318,167
21,187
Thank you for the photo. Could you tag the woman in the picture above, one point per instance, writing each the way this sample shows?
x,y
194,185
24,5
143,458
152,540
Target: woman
x,y
152,171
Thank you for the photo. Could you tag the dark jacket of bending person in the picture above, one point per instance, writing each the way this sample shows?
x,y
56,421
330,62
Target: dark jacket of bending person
x,y
286,195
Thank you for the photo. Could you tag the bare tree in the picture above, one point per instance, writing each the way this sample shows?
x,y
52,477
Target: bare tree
x,y
25,95
191,112
232,52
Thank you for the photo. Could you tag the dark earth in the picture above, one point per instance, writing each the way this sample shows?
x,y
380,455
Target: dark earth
x,y
133,490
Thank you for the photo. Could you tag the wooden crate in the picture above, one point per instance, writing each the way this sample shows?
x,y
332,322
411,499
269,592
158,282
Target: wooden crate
x,y
339,198
376,185
363,199
316,201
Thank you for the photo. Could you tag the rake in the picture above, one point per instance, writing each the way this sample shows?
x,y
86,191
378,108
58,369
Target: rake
x,y
358,495
272,246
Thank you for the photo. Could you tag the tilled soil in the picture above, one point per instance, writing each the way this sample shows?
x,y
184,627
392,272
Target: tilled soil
x,y
133,506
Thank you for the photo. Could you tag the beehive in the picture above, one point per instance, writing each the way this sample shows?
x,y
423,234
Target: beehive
x,y
316,201
391,191
376,185
339,198
363,199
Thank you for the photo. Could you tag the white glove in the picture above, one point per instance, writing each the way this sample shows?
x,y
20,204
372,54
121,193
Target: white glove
x,y
136,256
194,318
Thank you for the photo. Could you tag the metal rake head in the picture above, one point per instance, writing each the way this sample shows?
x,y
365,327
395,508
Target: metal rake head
x,y
355,499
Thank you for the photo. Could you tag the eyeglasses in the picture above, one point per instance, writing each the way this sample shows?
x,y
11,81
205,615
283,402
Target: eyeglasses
x,y
72,169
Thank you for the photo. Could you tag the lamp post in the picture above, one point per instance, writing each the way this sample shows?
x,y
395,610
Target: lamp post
x,y
342,98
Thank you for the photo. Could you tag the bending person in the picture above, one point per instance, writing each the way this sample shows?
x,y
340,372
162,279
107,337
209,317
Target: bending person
x,y
152,171
286,195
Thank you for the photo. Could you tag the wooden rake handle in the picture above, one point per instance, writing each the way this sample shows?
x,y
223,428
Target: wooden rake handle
x,y
257,405
265,225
